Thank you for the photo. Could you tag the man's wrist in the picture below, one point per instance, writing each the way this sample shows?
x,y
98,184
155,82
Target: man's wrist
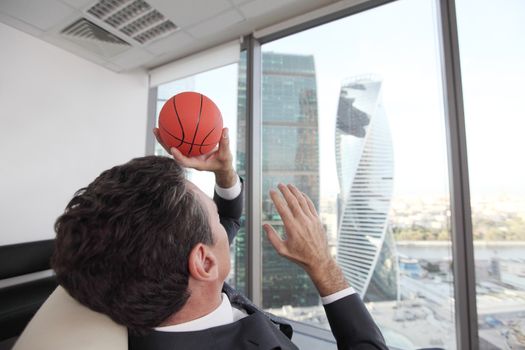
x,y
328,277
226,178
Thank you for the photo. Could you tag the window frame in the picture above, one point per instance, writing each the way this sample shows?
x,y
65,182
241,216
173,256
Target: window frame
x,y
461,222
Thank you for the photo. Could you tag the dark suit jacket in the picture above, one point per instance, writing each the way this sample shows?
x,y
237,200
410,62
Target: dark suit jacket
x,y
351,323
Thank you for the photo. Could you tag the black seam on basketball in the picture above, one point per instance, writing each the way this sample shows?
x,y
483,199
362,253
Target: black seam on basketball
x,y
182,141
180,123
196,128
204,139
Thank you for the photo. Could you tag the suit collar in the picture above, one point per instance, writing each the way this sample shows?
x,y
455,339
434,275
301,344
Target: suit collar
x,y
255,331
241,301
259,330
222,315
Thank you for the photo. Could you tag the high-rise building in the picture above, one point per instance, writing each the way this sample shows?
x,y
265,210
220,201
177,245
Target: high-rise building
x,y
366,249
290,139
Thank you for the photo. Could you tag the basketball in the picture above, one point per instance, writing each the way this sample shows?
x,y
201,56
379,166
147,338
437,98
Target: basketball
x,y
191,122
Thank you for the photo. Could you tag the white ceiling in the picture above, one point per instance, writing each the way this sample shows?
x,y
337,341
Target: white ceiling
x,y
202,24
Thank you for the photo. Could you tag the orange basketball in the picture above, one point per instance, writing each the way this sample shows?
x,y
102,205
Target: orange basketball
x,y
191,122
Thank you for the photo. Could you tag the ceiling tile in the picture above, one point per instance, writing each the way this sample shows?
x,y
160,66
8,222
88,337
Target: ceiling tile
x,y
170,43
238,2
79,4
16,23
113,67
260,7
184,13
42,14
132,58
216,24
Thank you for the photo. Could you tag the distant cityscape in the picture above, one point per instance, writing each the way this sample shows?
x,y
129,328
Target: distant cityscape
x,y
424,314
495,218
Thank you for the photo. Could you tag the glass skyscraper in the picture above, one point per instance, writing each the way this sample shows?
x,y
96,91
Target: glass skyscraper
x,y
290,155
366,249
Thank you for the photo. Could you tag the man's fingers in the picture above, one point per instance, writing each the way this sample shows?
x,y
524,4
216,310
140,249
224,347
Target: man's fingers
x,y
300,198
224,142
311,205
187,162
290,199
274,239
209,155
281,206
224,152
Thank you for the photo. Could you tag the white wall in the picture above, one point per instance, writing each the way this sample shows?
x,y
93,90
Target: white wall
x,y
63,120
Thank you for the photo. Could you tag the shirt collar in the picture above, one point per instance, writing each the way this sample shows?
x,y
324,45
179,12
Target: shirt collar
x,y
220,316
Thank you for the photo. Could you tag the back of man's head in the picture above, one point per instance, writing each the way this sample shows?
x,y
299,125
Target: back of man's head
x,y
123,242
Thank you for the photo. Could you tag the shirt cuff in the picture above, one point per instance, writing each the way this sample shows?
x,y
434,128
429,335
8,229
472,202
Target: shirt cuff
x,y
229,193
337,295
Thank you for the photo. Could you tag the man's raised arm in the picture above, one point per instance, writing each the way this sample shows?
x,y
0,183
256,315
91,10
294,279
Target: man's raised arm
x,y
306,245
228,185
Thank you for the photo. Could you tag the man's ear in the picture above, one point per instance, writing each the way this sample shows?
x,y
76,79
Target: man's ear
x,y
202,263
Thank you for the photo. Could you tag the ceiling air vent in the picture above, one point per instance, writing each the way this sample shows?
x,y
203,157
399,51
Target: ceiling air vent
x,y
94,38
136,19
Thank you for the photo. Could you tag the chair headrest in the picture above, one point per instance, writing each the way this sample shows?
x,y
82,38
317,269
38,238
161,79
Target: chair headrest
x,y
63,323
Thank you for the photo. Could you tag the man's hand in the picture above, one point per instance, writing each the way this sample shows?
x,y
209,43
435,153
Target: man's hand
x,y
218,161
306,243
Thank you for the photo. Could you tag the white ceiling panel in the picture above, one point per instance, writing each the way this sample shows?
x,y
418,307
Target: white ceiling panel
x,y
184,13
41,14
171,43
113,67
238,2
79,3
260,7
202,24
16,23
223,21
131,58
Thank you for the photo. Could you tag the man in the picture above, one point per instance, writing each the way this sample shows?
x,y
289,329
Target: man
x,y
149,249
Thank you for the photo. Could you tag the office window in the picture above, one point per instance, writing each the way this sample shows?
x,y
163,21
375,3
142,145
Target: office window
x,y
492,49
226,86
353,115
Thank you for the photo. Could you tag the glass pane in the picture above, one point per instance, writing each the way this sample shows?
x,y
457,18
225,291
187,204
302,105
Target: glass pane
x,y
353,115
492,47
222,86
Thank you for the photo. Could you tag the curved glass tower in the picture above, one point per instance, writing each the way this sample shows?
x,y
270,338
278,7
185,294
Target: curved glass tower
x,y
366,248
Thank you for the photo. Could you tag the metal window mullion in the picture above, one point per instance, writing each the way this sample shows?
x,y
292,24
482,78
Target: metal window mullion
x,y
151,120
462,238
253,170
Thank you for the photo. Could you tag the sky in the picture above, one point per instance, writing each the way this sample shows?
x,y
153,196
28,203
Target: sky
x,y
399,43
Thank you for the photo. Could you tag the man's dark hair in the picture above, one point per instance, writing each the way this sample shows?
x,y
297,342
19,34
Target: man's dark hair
x,y
123,242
